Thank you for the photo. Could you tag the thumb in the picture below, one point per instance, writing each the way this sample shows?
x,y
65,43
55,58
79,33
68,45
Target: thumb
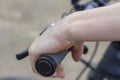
x,y
77,51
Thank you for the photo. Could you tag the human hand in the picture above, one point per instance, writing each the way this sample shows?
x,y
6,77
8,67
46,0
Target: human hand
x,y
54,40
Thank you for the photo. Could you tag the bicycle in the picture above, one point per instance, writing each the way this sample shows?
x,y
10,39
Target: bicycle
x,y
77,7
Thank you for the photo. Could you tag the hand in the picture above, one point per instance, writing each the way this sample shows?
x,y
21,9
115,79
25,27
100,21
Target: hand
x,y
52,41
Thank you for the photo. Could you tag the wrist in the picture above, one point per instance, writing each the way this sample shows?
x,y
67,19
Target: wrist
x,y
75,30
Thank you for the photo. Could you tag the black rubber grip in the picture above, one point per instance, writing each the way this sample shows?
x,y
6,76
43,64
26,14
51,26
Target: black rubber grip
x,y
47,64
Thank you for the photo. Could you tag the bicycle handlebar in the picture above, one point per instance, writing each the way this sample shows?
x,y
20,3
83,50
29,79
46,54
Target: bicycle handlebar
x,y
47,64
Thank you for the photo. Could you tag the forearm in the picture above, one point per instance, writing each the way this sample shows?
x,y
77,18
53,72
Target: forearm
x,y
95,25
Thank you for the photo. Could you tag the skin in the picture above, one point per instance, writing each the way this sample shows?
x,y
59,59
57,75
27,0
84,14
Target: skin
x,y
100,24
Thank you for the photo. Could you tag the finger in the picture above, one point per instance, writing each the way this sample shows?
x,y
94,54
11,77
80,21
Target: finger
x,y
77,51
59,72
33,59
34,52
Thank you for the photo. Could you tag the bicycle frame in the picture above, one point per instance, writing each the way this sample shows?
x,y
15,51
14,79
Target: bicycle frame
x,y
109,66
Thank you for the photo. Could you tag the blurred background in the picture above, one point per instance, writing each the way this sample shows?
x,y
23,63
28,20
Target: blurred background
x,y
20,22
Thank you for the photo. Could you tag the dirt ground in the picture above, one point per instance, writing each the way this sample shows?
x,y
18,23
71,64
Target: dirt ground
x,y
20,22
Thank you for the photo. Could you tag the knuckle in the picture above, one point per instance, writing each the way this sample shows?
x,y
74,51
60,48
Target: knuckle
x,y
31,50
34,47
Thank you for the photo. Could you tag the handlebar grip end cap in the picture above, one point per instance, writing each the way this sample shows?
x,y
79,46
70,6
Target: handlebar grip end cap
x,y
46,66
